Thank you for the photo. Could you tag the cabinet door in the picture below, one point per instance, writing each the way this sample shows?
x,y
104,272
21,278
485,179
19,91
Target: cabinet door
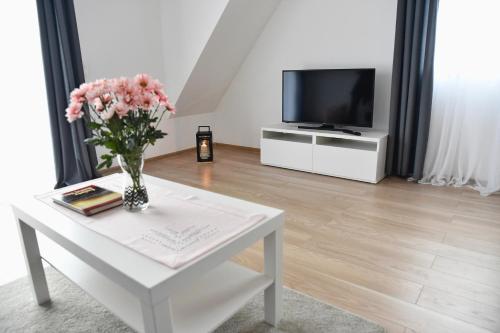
x,y
286,154
355,164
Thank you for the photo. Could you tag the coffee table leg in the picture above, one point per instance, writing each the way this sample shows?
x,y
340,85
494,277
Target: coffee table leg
x,y
34,264
157,318
273,260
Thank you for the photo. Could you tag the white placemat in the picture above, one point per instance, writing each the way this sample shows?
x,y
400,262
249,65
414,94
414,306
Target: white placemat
x,y
174,230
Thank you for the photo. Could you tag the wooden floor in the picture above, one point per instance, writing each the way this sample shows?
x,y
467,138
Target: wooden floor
x,y
414,258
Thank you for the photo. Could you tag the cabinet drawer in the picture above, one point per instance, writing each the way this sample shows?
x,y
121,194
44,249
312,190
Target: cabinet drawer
x,y
344,162
287,154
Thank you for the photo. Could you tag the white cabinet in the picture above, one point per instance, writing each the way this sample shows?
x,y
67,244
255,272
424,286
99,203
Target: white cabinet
x,y
329,153
287,150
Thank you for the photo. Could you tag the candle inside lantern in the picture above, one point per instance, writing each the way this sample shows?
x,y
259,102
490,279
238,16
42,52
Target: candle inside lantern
x,y
204,153
204,150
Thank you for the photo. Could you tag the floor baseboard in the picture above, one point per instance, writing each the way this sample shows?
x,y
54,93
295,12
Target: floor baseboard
x,y
159,157
237,147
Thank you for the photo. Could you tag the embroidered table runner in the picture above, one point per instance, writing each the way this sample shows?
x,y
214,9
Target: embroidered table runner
x,y
174,230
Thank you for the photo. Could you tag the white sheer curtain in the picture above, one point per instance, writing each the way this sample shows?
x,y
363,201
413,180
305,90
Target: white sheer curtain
x,y
464,138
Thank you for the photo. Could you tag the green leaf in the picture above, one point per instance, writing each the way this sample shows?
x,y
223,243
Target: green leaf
x,y
111,145
92,141
109,163
93,125
102,165
107,157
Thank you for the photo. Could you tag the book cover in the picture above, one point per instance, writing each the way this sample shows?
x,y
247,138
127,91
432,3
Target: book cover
x,y
89,200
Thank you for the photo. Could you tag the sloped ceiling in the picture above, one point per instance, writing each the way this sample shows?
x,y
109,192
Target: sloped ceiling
x,y
231,39
195,47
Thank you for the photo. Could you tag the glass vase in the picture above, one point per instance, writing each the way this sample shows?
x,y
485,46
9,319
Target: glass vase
x,y
135,195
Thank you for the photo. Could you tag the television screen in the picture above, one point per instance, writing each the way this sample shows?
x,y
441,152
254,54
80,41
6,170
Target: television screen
x,y
330,96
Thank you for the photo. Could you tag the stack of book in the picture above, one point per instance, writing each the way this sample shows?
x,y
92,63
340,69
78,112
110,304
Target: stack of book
x,y
89,200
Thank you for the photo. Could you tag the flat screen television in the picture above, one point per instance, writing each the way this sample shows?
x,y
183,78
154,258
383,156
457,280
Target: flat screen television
x,y
329,96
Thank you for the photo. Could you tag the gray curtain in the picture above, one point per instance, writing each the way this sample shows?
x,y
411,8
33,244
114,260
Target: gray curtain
x,y
74,160
411,94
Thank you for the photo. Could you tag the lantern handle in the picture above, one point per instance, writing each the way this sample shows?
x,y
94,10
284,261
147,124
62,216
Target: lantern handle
x,y
204,127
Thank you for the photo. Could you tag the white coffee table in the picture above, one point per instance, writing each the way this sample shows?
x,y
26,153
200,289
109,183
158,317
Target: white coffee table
x,y
148,296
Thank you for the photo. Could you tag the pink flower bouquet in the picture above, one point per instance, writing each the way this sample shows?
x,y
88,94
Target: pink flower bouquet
x,y
123,115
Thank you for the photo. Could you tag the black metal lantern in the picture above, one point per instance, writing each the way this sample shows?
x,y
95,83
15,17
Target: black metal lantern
x,y
204,145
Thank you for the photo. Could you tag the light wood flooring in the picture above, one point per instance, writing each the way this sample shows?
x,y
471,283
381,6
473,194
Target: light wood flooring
x,y
414,258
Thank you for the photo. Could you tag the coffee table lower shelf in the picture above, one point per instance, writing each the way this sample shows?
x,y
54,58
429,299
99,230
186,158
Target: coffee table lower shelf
x,y
201,307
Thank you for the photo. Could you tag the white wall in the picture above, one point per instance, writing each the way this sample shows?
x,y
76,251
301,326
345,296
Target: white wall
x,y
166,37
186,28
231,40
125,37
308,34
120,38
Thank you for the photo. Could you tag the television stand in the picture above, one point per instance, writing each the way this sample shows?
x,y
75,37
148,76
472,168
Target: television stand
x,y
326,153
326,127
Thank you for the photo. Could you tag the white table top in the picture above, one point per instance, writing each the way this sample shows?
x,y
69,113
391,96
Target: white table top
x,y
127,266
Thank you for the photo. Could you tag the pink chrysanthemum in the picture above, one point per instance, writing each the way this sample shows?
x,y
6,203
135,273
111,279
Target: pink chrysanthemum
x,y
74,112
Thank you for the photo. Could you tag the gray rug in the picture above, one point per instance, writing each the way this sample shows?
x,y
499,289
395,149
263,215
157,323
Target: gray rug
x,y
72,310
